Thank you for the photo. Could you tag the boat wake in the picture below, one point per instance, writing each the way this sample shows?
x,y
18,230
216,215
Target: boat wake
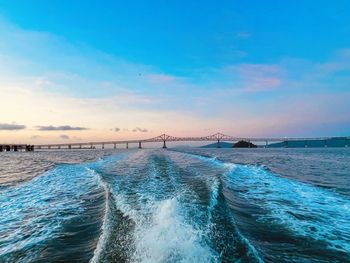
x,y
167,211
167,206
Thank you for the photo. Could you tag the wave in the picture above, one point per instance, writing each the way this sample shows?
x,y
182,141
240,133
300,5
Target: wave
x,y
307,211
162,209
298,212
37,212
105,225
159,231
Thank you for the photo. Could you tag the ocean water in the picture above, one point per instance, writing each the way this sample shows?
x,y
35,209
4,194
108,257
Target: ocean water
x,y
179,205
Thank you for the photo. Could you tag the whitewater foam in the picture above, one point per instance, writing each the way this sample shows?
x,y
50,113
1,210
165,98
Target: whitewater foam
x,y
306,210
102,241
167,237
34,212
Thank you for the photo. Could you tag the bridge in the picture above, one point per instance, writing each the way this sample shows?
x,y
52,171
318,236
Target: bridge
x,y
164,138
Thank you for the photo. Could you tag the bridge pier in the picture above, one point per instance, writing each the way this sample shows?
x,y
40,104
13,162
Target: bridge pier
x,y
218,145
266,144
103,146
127,145
140,145
325,143
164,145
69,146
285,144
115,146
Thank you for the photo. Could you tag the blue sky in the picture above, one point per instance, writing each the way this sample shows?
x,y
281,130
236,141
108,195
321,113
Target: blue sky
x,y
255,68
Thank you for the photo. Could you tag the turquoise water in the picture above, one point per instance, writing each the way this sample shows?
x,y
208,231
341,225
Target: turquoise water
x,y
183,205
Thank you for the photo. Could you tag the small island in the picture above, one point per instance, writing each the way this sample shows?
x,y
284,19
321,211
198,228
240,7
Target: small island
x,y
244,144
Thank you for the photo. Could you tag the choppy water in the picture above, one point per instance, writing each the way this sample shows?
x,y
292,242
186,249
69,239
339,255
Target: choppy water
x,y
188,205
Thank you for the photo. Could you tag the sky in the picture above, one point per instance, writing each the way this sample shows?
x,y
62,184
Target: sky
x,y
87,70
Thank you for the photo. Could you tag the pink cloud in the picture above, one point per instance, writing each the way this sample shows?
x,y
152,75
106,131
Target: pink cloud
x,y
257,69
161,78
257,77
263,84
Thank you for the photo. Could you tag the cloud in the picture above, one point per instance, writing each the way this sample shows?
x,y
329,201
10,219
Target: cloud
x,y
138,129
256,69
64,137
263,84
161,78
60,128
116,129
256,77
11,127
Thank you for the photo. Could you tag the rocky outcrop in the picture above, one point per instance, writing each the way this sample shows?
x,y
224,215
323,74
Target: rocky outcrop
x,y
244,144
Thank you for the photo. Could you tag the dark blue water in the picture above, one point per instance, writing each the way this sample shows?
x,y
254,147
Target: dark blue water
x,y
183,205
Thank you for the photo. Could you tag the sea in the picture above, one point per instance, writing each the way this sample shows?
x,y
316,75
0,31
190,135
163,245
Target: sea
x,y
175,205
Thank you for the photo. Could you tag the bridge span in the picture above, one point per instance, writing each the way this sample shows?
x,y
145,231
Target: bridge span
x,y
164,138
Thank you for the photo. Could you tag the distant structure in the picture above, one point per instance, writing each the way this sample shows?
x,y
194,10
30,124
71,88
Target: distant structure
x,y
218,138
244,144
16,148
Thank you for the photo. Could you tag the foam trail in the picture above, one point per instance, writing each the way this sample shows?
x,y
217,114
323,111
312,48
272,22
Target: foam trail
x,y
151,196
35,212
179,215
104,236
306,210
